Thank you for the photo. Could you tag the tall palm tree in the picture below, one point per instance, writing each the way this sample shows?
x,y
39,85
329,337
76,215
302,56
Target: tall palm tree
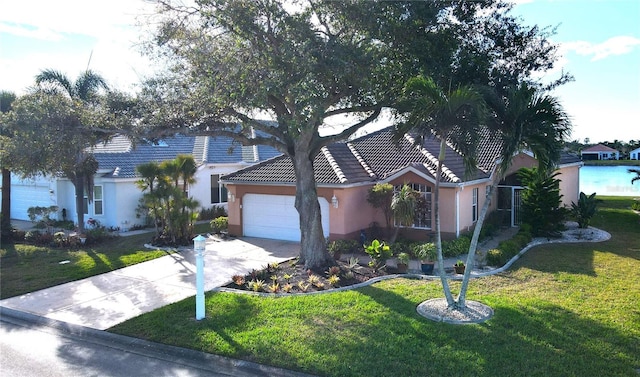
x,y
6,99
525,119
84,90
453,116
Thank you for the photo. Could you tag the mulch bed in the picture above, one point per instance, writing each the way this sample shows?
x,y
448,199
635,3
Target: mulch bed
x,y
291,277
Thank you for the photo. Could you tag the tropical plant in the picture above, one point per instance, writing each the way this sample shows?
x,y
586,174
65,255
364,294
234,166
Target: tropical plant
x,y
379,253
426,252
403,208
165,199
453,117
637,173
585,209
541,202
403,258
381,196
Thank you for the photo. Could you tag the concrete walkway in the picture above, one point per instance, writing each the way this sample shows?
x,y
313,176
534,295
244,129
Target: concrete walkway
x,y
102,301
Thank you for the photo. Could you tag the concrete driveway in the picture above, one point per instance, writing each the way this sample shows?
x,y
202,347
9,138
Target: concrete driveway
x,y
103,301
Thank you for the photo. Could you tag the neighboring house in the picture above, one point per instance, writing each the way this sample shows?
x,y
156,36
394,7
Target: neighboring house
x,y
600,152
634,154
116,196
261,197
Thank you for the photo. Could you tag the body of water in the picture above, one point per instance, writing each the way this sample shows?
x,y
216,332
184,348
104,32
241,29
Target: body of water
x,y
608,181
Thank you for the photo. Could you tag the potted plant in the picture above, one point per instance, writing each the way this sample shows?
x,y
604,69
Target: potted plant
x,y
403,262
458,267
427,255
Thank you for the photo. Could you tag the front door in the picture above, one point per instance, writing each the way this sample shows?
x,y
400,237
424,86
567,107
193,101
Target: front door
x,y
509,205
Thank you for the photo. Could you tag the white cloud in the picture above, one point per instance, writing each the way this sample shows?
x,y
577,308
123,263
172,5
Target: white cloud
x,y
619,45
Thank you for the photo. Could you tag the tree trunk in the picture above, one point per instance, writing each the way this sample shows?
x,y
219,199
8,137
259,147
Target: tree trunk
x,y
473,246
6,205
313,246
443,276
78,183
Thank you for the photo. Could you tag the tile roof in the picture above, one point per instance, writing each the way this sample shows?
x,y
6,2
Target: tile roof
x,y
119,157
599,148
368,158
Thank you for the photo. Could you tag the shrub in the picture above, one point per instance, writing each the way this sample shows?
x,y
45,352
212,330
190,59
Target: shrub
x,y
32,236
456,247
212,213
635,206
495,257
343,246
220,224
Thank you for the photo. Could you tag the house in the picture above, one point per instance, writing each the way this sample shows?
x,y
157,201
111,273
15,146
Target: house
x,y
261,197
634,154
600,152
116,196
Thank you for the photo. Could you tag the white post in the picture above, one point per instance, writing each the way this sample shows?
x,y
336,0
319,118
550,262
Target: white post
x,y
199,246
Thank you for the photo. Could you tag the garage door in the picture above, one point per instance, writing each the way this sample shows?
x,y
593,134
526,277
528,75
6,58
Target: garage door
x,y
27,195
275,217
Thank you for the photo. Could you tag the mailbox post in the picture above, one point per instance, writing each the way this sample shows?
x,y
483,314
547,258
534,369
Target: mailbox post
x,y
199,243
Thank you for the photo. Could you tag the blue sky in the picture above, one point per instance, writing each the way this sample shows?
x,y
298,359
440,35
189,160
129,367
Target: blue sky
x,y
600,46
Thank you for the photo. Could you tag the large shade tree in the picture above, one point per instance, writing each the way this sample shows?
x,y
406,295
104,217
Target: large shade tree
x,y
6,101
302,64
56,124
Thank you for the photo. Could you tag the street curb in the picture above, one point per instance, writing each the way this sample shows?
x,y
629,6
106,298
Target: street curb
x,y
218,365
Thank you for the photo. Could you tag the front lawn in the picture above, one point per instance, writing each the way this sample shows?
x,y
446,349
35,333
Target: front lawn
x,y
27,268
562,310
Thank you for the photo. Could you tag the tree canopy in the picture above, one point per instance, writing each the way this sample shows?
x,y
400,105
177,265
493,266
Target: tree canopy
x,y
232,63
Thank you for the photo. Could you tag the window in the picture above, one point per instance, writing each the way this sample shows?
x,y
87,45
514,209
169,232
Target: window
x,y
474,205
423,207
97,200
97,203
218,191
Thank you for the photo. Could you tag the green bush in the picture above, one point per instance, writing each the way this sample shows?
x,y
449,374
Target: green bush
x,y
343,246
495,257
212,213
456,247
219,224
635,205
508,249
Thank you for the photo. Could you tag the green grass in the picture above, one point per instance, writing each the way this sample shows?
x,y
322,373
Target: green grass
x,y
561,310
28,268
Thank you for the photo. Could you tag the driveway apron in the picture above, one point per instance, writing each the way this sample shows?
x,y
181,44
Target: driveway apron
x,y
105,300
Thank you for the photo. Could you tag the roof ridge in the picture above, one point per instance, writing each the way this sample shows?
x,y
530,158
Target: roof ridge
x,y
334,165
445,170
361,160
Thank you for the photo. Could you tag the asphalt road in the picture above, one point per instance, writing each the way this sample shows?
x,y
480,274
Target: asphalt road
x,y
29,348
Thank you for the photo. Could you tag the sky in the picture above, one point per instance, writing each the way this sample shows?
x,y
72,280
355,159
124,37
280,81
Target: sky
x,y
599,45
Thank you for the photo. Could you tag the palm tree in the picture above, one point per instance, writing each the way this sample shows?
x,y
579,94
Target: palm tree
x,y
85,91
525,119
6,99
454,117
403,208
637,177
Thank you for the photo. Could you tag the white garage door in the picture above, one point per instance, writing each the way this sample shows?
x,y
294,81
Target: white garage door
x,y
28,195
275,217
